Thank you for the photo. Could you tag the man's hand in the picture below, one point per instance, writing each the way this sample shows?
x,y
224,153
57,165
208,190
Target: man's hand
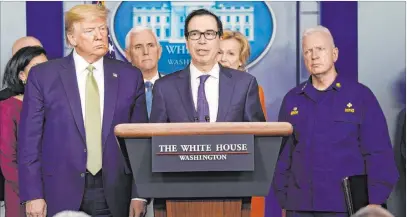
x,y
283,213
138,208
36,208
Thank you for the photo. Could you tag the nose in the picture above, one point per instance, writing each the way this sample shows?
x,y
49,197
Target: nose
x,y
314,55
202,40
223,57
98,34
145,50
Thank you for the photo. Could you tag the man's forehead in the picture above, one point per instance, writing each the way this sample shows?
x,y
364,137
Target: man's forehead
x,y
315,41
143,37
202,23
92,22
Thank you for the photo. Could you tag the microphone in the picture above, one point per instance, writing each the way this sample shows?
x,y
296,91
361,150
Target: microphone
x,y
207,118
196,119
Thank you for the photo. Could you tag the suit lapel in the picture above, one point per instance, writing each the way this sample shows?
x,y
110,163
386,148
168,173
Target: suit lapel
x,y
184,90
226,87
111,89
70,84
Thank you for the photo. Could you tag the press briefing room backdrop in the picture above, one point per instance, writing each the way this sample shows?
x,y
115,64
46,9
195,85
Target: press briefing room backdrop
x,y
370,37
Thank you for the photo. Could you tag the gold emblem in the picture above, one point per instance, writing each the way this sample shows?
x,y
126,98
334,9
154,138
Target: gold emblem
x,y
294,111
349,108
338,85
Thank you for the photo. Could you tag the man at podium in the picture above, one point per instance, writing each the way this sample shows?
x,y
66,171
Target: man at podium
x,y
339,131
205,91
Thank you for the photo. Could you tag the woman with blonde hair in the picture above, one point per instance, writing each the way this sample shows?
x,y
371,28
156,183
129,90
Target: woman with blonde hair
x,y
234,53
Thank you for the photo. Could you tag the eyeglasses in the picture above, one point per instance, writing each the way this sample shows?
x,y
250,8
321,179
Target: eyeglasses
x,y
196,35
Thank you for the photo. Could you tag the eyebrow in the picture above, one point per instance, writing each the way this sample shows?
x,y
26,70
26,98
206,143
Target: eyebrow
x,y
139,44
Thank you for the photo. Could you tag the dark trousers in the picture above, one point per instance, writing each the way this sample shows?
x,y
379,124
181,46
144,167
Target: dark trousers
x,y
290,213
94,200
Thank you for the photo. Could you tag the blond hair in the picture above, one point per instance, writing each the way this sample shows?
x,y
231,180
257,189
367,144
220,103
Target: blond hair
x,y
244,53
80,12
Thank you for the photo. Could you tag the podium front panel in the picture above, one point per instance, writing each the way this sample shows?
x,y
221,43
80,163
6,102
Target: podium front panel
x,y
203,184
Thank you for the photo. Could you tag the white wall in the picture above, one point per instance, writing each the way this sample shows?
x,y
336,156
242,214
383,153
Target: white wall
x,y
12,20
382,63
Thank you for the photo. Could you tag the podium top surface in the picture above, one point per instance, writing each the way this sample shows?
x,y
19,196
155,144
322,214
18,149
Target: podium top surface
x,y
144,130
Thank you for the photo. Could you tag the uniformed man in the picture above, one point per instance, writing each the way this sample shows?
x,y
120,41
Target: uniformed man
x,y
339,131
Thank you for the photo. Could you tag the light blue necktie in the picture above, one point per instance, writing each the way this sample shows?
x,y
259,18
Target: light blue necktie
x,y
149,96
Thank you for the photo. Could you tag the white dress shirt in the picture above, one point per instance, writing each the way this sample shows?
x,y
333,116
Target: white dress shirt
x,y
81,72
153,79
211,89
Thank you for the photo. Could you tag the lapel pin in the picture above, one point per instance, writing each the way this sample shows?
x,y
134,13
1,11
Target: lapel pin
x,y
115,75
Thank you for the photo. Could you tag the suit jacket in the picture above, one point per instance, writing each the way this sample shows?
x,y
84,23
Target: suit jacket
x,y
52,150
238,98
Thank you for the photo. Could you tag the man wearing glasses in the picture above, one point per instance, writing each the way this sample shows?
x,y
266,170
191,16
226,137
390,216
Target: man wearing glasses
x,y
205,91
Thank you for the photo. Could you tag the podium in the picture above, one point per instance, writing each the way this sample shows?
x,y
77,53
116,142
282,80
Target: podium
x,y
218,187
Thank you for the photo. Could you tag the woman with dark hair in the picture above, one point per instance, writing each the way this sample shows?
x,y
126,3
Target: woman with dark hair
x,y
15,77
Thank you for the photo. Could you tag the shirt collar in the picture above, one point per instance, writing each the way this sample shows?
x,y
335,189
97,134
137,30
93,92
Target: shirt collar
x,y
195,73
81,64
336,85
153,79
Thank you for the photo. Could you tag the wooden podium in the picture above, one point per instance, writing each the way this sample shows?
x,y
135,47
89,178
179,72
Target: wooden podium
x,y
202,194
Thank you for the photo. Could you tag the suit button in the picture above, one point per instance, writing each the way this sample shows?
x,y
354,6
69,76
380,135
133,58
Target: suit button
x,y
82,175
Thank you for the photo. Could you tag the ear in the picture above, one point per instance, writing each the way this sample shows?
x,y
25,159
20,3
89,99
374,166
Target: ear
x,y
71,38
335,54
22,76
160,50
127,54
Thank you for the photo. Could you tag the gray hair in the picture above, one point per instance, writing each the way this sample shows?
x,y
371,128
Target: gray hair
x,y
372,211
69,213
138,29
320,29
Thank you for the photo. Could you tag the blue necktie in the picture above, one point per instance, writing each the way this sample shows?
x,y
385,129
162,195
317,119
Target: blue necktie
x,y
149,96
202,105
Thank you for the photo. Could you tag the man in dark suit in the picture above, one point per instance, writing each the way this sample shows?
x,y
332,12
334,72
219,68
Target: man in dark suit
x,y
69,158
205,91
144,51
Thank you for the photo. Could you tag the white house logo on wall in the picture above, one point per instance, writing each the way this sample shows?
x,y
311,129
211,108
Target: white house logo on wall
x,y
254,19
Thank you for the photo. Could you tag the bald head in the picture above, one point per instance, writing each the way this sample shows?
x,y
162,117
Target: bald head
x,y
373,211
25,42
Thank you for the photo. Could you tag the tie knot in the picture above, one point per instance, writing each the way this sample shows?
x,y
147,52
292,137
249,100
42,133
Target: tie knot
x,y
90,68
148,84
203,78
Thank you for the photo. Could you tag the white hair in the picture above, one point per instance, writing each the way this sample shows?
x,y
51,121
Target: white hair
x,y
69,213
320,29
138,29
372,211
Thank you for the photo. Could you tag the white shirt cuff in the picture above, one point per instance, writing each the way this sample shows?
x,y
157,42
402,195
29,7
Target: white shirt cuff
x,y
140,199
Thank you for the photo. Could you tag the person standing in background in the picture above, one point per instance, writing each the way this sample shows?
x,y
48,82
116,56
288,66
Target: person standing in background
x,y
144,51
15,77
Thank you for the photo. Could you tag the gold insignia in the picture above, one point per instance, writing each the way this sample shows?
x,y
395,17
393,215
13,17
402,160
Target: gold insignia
x,y
349,108
115,75
294,111
338,85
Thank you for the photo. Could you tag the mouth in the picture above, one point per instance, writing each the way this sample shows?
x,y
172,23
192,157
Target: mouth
x,y
202,52
100,46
